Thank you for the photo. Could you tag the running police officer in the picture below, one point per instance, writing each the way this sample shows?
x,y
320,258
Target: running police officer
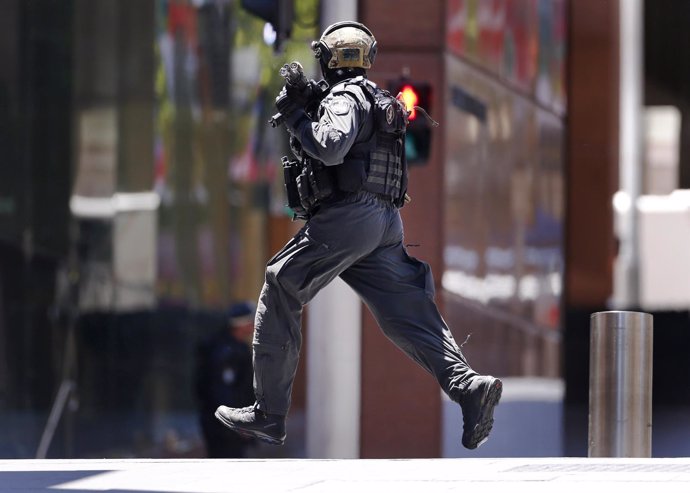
x,y
353,146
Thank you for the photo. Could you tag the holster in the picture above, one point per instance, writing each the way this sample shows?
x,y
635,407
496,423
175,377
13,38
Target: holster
x,y
306,184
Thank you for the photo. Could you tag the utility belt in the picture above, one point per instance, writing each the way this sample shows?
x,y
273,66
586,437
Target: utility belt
x,y
307,183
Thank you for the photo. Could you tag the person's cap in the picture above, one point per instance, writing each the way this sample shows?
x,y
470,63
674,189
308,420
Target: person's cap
x,y
241,313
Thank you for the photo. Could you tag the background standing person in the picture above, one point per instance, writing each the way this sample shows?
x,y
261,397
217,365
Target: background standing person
x,y
224,375
349,138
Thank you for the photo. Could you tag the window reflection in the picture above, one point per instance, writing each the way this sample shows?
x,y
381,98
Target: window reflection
x,y
141,198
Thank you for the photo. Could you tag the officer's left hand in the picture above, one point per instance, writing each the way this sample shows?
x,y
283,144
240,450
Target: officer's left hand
x,y
299,97
285,104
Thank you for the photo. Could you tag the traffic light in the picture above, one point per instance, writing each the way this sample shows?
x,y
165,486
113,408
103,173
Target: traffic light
x,y
418,136
279,13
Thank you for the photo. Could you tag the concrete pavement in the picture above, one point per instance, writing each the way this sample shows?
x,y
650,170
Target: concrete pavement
x,y
333,476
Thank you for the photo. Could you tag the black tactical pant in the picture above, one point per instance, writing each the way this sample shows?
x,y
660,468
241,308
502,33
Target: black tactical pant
x,y
360,239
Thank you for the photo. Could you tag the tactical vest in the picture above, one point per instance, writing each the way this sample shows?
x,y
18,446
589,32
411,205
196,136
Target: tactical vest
x,y
376,162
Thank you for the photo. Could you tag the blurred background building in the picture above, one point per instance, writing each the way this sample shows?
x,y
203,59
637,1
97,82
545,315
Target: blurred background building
x,y
140,195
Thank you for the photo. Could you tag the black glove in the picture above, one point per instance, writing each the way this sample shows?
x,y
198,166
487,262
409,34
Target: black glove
x,y
292,98
300,96
285,104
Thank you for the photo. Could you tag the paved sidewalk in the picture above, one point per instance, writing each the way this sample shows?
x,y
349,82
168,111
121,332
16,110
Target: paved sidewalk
x,y
358,476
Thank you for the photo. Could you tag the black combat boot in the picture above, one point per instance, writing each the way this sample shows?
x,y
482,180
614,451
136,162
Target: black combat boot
x,y
478,402
251,421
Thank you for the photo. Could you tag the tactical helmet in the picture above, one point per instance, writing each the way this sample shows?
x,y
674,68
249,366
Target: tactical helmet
x,y
344,45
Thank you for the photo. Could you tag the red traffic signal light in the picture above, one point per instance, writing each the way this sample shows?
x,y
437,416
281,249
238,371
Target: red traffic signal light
x,y
408,95
418,135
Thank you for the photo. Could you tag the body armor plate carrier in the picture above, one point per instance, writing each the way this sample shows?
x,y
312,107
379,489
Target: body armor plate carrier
x,y
377,163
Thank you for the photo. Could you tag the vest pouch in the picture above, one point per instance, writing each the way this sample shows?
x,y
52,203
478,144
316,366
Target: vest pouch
x,y
389,114
291,170
320,180
306,195
291,173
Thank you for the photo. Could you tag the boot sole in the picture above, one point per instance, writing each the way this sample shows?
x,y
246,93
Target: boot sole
x,y
250,433
480,433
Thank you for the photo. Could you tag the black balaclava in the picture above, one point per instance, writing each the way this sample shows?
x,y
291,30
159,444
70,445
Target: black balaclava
x,y
335,75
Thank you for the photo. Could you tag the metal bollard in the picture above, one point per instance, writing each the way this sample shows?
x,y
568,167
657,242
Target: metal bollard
x,y
620,384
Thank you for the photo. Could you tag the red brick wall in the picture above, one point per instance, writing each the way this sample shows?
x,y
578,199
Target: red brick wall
x,y
592,151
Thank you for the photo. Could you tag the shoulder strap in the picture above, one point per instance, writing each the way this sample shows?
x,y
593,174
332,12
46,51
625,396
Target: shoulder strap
x,y
366,87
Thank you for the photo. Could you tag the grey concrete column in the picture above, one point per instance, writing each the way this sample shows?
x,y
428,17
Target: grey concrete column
x,y
334,343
